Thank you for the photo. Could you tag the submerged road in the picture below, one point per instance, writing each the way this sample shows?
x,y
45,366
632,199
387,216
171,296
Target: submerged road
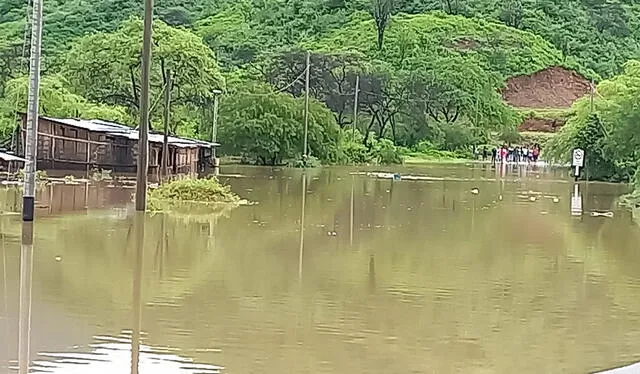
x,y
631,369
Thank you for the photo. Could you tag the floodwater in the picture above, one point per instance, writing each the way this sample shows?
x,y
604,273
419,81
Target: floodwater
x,y
328,273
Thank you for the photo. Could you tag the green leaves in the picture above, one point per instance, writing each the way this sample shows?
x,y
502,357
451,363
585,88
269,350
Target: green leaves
x,y
57,100
106,66
266,127
611,134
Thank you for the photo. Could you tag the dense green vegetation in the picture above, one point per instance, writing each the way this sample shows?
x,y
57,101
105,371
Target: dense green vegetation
x,y
609,132
187,193
429,70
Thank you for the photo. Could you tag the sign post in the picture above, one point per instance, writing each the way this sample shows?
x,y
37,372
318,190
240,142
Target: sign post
x,y
578,160
576,199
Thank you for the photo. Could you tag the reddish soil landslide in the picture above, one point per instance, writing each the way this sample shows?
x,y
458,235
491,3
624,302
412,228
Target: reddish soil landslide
x,y
541,124
554,87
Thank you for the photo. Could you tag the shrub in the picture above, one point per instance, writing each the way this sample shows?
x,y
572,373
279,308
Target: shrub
x,y
200,191
385,152
354,152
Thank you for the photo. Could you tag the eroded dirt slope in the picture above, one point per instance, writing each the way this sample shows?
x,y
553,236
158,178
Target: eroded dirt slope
x,y
555,87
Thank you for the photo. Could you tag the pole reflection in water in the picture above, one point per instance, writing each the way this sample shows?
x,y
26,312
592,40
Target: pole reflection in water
x,y
372,273
24,323
351,214
5,292
304,200
86,195
138,228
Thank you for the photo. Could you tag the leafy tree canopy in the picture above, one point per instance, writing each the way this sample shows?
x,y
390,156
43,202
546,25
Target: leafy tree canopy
x,y
267,126
105,67
610,134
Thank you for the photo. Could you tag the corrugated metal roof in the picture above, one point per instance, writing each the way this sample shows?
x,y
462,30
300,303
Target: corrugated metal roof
x,y
159,138
9,157
116,129
91,125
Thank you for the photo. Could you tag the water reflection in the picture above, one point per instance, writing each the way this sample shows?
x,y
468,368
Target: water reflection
x,y
303,195
57,198
138,229
113,355
420,276
24,325
107,354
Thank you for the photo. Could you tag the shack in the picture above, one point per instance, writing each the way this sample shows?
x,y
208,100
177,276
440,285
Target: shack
x,y
10,163
78,144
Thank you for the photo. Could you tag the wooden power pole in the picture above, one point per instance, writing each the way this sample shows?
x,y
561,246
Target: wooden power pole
x,y
355,105
305,152
143,141
167,114
31,138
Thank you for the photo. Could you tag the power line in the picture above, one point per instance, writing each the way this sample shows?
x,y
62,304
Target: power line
x,y
22,63
304,72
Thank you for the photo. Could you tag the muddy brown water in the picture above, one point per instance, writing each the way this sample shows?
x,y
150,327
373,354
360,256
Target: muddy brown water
x,y
386,277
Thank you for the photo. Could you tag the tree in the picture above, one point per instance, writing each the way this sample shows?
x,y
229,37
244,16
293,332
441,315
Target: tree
x,y
591,138
266,127
56,100
331,81
609,133
512,13
105,67
383,95
231,34
448,89
381,11
452,6
13,52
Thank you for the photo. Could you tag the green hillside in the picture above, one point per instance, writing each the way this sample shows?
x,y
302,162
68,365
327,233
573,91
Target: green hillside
x,y
498,48
429,70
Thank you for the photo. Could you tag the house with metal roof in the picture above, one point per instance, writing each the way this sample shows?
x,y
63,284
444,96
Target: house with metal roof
x,y
78,144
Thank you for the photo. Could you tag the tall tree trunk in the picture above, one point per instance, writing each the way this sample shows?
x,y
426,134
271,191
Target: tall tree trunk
x,y
366,135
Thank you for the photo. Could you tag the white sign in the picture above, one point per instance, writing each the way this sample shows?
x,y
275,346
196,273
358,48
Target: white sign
x,y
578,157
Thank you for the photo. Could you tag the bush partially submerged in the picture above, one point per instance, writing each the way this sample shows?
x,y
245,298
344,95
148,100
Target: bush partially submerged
x,y
185,192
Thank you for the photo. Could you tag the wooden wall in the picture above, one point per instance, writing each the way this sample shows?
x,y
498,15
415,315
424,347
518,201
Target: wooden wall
x,y
61,145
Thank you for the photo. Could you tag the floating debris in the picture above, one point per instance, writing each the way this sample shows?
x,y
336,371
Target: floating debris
x,y
475,191
332,233
602,214
532,199
556,200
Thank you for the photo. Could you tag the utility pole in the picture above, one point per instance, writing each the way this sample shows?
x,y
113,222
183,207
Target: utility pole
x,y
31,136
305,153
143,139
214,129
355,106
167,113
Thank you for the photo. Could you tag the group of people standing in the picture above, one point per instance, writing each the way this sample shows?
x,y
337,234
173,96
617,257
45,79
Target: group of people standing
x,y
513,154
